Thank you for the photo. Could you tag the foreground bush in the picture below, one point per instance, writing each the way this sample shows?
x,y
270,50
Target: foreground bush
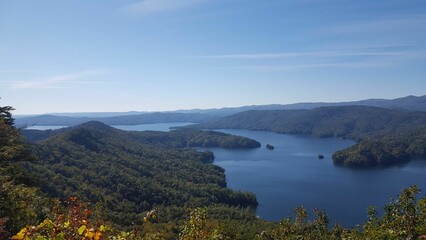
x,y
404,218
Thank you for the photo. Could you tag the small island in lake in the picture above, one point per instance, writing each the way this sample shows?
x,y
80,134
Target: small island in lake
x,y
269,146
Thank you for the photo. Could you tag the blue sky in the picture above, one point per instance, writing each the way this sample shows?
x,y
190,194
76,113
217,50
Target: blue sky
x,y
155,55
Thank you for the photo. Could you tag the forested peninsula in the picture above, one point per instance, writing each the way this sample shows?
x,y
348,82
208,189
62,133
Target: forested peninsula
x,y
383,136
181,138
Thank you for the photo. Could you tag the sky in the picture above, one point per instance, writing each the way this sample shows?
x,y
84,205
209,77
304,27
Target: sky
x,y
160,55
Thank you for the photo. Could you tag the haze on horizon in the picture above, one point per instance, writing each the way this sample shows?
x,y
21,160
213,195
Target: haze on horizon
x,y
160,55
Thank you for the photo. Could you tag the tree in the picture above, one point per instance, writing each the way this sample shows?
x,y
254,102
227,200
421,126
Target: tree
x,y
20,204
404,218
6,115
11,144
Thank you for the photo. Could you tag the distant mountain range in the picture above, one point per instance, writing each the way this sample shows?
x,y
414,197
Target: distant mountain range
x,y
409,103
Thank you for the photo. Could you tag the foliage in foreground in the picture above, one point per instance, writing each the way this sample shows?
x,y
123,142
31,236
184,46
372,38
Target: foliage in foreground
x,y
20,201
404,218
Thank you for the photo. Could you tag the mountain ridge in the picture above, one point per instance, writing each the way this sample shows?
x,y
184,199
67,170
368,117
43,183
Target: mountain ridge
x,y
340,121
408,103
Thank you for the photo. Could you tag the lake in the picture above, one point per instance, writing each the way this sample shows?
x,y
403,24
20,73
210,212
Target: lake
x,y
291,175
35,127
164,127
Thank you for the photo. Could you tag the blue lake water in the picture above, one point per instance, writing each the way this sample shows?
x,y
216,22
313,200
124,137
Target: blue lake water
x,y
35,127
164,127
291,175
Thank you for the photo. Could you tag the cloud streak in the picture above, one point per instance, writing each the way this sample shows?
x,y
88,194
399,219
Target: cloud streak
x,y
57,81
317,54
390,24
147,7
289,67
20,70
336,58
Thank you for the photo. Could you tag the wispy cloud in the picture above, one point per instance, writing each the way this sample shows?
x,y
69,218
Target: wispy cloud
x,y
57,81
18,70
147,7
317,54
334,58
392,24
288,67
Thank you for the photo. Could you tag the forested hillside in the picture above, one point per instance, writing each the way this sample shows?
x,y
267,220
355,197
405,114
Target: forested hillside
x,y
184,138
385,149
126,177
348,121
384,136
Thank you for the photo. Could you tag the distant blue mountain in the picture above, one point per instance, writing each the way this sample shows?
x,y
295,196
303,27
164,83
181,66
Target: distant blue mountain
x,y
409,103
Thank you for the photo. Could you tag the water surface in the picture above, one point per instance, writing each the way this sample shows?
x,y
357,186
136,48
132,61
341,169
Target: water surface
x,y
35,127
164,127
291,175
